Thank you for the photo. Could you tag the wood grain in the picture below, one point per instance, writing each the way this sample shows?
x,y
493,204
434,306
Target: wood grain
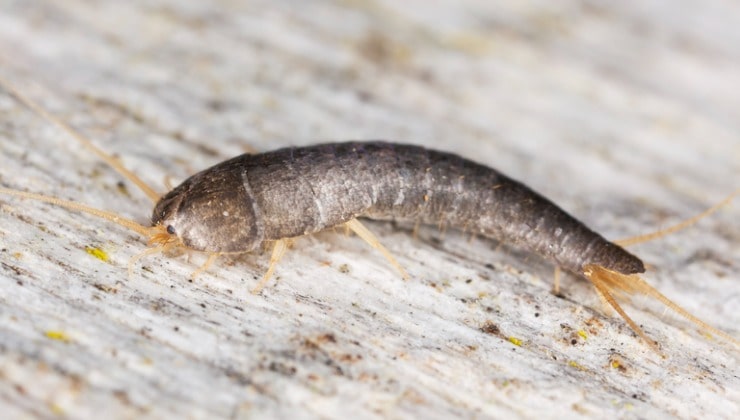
x,y
625,114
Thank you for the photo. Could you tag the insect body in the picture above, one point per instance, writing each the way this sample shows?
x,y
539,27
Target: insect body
x,y
239,204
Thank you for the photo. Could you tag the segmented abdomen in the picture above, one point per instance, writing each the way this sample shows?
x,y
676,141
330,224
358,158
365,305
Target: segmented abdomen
x,y
307,189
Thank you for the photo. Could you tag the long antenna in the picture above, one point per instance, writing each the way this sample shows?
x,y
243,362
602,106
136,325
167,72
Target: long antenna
x,y
142,230
682,225
110,160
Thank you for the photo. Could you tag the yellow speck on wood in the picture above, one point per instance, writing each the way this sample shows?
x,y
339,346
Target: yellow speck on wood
x,y
97,253
583,334
57,410
470,43
57,335
573,363
515,341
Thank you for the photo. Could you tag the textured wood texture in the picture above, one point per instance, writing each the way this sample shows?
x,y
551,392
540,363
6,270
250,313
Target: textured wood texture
x,y
625,113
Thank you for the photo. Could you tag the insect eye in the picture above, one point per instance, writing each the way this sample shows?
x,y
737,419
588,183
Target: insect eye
x,y
170,230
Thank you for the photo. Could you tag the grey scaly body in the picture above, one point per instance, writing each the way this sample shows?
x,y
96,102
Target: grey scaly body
x,y
236,205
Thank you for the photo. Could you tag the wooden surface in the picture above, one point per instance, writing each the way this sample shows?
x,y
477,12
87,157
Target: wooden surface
x,y
625,113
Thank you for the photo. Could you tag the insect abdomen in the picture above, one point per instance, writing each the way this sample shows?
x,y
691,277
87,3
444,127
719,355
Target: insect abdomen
x,y
305,190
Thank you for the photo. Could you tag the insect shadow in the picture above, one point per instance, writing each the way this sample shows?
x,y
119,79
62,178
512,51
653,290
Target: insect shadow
x,y
245,202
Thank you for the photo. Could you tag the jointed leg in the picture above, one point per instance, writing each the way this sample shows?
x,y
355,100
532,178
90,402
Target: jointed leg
x,y
211,258
556,281
149,251
278,251
368,237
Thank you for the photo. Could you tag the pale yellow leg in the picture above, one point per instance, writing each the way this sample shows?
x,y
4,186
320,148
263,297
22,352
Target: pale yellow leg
x,y
249,149
146,252
556,282
368,237
168,183
278,250
415,232
211,258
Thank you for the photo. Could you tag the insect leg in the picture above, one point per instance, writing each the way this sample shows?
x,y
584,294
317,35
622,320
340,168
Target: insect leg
x,y
149,251
250,149
556,280
278,250
168,183
211,259
415,232
368,236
